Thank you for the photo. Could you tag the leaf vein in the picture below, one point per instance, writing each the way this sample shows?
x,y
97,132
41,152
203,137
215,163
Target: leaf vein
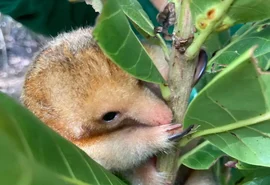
x,y
226,143
89,167
123,44
203,121
65,161
256,130
139,57
110,16
226,110
243,143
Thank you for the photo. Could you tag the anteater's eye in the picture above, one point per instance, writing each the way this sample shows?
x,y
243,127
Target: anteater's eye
x,y
110,116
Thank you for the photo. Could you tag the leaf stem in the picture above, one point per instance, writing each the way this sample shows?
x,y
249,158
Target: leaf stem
x,y
194,150
210,63
220,10
225,128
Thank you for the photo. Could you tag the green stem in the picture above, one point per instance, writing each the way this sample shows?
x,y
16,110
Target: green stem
x,y
225,128
165,92
220,10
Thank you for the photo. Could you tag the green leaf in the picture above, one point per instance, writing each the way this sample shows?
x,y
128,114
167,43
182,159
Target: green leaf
x,y
249,172
233,112
245,38
244,11
216,41
206,78
32,153
202,157
142,24
243,166
263,180
141,21
116,38
258,177
241,11
134,11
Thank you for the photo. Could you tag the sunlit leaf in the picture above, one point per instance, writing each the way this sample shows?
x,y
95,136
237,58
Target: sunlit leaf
x,y
246,37
141,21
116,38
233,112
32,153
134,11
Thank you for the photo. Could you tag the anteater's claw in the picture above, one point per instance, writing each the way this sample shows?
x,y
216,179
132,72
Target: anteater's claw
x,y
178,136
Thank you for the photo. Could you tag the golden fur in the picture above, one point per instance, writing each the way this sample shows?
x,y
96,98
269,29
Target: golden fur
x,y
72,84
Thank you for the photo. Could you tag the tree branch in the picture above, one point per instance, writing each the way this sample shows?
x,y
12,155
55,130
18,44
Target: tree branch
x,y
180,83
